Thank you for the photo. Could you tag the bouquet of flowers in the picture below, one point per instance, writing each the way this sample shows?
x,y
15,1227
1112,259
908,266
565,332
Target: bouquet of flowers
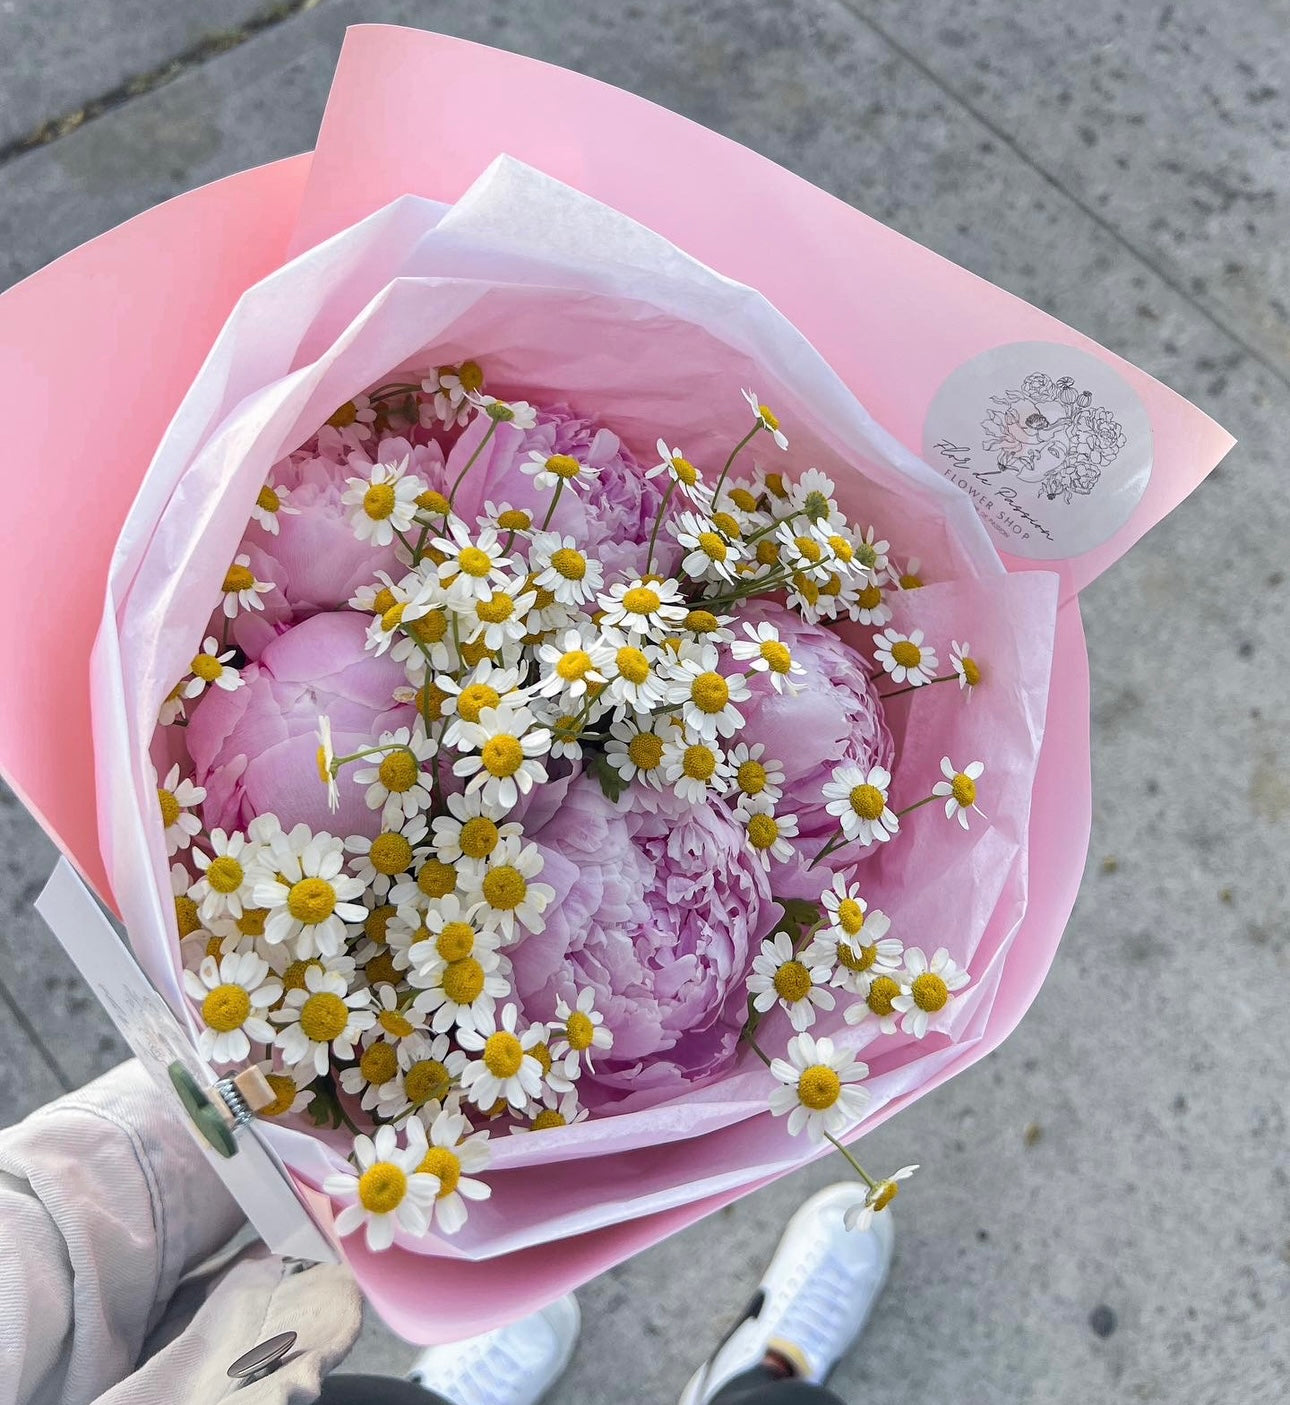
x,y
545,724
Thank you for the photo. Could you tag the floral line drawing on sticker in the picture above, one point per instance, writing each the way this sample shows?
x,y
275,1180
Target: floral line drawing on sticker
x,y
1050,433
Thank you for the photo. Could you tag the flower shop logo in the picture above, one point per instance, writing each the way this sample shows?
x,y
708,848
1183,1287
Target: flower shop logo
x,y
1051,445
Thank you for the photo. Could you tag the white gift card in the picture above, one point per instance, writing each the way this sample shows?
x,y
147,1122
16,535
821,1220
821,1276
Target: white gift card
x,y
254,1175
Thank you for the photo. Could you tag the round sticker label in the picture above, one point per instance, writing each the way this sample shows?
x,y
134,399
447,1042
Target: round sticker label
x,y
1053,446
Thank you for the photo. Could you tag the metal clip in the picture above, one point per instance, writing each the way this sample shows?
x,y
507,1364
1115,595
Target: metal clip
x,y
228,1104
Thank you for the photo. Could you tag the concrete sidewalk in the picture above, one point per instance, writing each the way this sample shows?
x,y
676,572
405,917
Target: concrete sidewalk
x,y
1102,1213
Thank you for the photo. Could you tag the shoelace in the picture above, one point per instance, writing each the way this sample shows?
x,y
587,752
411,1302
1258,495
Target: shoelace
x,y
489,1372
812,1309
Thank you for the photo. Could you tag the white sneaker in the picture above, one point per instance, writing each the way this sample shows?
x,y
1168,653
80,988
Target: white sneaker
x,y
512,1365
814,1299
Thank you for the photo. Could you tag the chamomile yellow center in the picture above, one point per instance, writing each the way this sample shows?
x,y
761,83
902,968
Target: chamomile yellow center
x,y
768,418
869,598
767,552
381,1188
472,561
207,667
251,923
563,466
641,600
225,874
868,801
376,923
906,653
267,500
818,1087
383,601
710,692
910,581
503,1054
429,628
504,888
395,1024
971,671
284,1090
792,982
170,807
186,915
685,471
573,665
324,1017
436,879
930,992
963,788
311,901
777,656
474,699
399,772
579,1030
426,1079
390,854
226,1008
763,831
645,751
293,978
632,664
430,699
381,970
568,563
751,777
857,958
238,579
743,499
379,501
393,617
502,755
808,549
379,1063
343,417
479,837
455,941
850,916
514,519
463,981
497,609
439,1161
471,377
712,546
699,762
882,992
548,1119
434,503
727,525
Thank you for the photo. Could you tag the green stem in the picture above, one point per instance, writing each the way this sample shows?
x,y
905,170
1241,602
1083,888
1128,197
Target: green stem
x,y
829,848
479,449
555,498
716,492
914,687
658,522
917,805
855,1165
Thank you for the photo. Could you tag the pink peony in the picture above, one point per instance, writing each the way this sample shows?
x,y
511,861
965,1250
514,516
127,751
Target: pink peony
x,y
611,518
659,914
255,749
835,718
315,560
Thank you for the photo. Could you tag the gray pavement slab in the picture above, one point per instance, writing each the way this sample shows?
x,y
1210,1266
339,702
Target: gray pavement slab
x,y
1102,1209
60,58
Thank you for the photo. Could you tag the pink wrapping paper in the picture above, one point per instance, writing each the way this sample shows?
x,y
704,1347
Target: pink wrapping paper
x,y
314,333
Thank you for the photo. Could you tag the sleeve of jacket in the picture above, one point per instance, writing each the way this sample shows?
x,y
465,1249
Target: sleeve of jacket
x,y
105,1202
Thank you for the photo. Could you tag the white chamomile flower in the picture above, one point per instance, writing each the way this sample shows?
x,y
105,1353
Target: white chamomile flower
x,y
708,628
458,994
766,418
512,899
511,520
326,759
756,776
323,1017
766,832
175,799
289,1095
905,657
926,989
486,685
172,707
378,862
636,752
506,1066
871,553
272,501
377,1069
241,589
859,800
708,554
517,412
450,389
386,1193
682,472
765,652
556,470
399,1024
635,683
383,502
860,1215
425,1083
706,698
909,578
469,833
354,419
795,980
558,1109
236,996
802,551
696,770
422,637
578,1031
399,785
454,931
504,751
556,564
228,874
210,669
811,497
306,893
818,1091
452,1154
472,563
967,669
868,605
572,664
643,609
877,1004
856,939
432,882
958,789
